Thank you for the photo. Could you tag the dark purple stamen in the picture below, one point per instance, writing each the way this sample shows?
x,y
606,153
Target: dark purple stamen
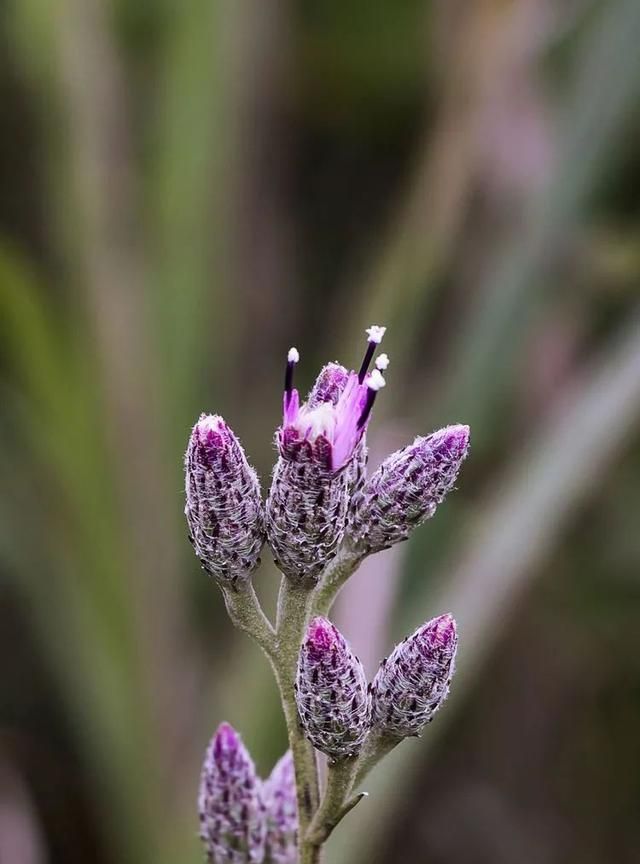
x,y
368,357
288,379
368,405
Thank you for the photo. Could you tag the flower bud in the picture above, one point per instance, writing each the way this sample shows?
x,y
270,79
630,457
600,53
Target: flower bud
x,y
411,685
232,815
282,813
407,488
224,508
331,692
321,458
329,385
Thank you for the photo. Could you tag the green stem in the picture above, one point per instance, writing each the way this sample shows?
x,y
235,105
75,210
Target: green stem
x,y
334,577
294,606
335,804
246,614
376,747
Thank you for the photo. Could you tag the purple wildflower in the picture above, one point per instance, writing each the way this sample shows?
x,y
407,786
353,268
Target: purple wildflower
x,y
321,457
407,488
232,815
282,813
331,692
411,685
224,508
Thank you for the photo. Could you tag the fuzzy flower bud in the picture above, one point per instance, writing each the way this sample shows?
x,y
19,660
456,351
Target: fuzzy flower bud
x,y
282,813
224,508
411,685
232,816
315,475
407,488
329,385
331,692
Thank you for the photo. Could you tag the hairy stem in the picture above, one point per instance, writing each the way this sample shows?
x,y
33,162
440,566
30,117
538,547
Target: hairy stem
x,y
246,614
294,606
376,747
334,577
335,803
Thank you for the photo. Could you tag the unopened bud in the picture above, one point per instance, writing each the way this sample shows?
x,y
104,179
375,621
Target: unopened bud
x,y
331,692
224,508
232,816
407,488
411,685
282,813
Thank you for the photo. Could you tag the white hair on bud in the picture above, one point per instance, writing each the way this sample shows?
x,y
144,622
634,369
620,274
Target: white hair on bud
x,y
376,381
382,362
375,333
210,422
293,356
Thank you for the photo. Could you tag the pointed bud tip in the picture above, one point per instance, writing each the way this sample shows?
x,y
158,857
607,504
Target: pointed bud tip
x,y
439,632
225,738
208,425
210,435
454,438
321,635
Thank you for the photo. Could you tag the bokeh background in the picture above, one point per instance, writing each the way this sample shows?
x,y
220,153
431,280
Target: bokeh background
x,y
186,190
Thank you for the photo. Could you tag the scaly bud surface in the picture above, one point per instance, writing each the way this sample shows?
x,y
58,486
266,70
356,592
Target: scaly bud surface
x,y
411,685
318,444
232,814
329,385
282,813
224,508
331,692
407,488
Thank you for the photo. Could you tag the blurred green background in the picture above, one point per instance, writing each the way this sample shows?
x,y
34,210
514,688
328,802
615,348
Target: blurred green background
x,y
186,190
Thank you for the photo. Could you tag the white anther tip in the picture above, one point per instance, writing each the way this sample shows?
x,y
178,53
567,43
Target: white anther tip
x,y
376,381
382,362
293,356
375,333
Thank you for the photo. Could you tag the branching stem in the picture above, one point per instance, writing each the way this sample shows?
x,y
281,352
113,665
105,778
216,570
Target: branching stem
x,y
296,604
334,577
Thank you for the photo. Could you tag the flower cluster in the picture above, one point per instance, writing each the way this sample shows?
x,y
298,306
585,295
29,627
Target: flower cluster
x,y
320,501
319,492
242,819
337,709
